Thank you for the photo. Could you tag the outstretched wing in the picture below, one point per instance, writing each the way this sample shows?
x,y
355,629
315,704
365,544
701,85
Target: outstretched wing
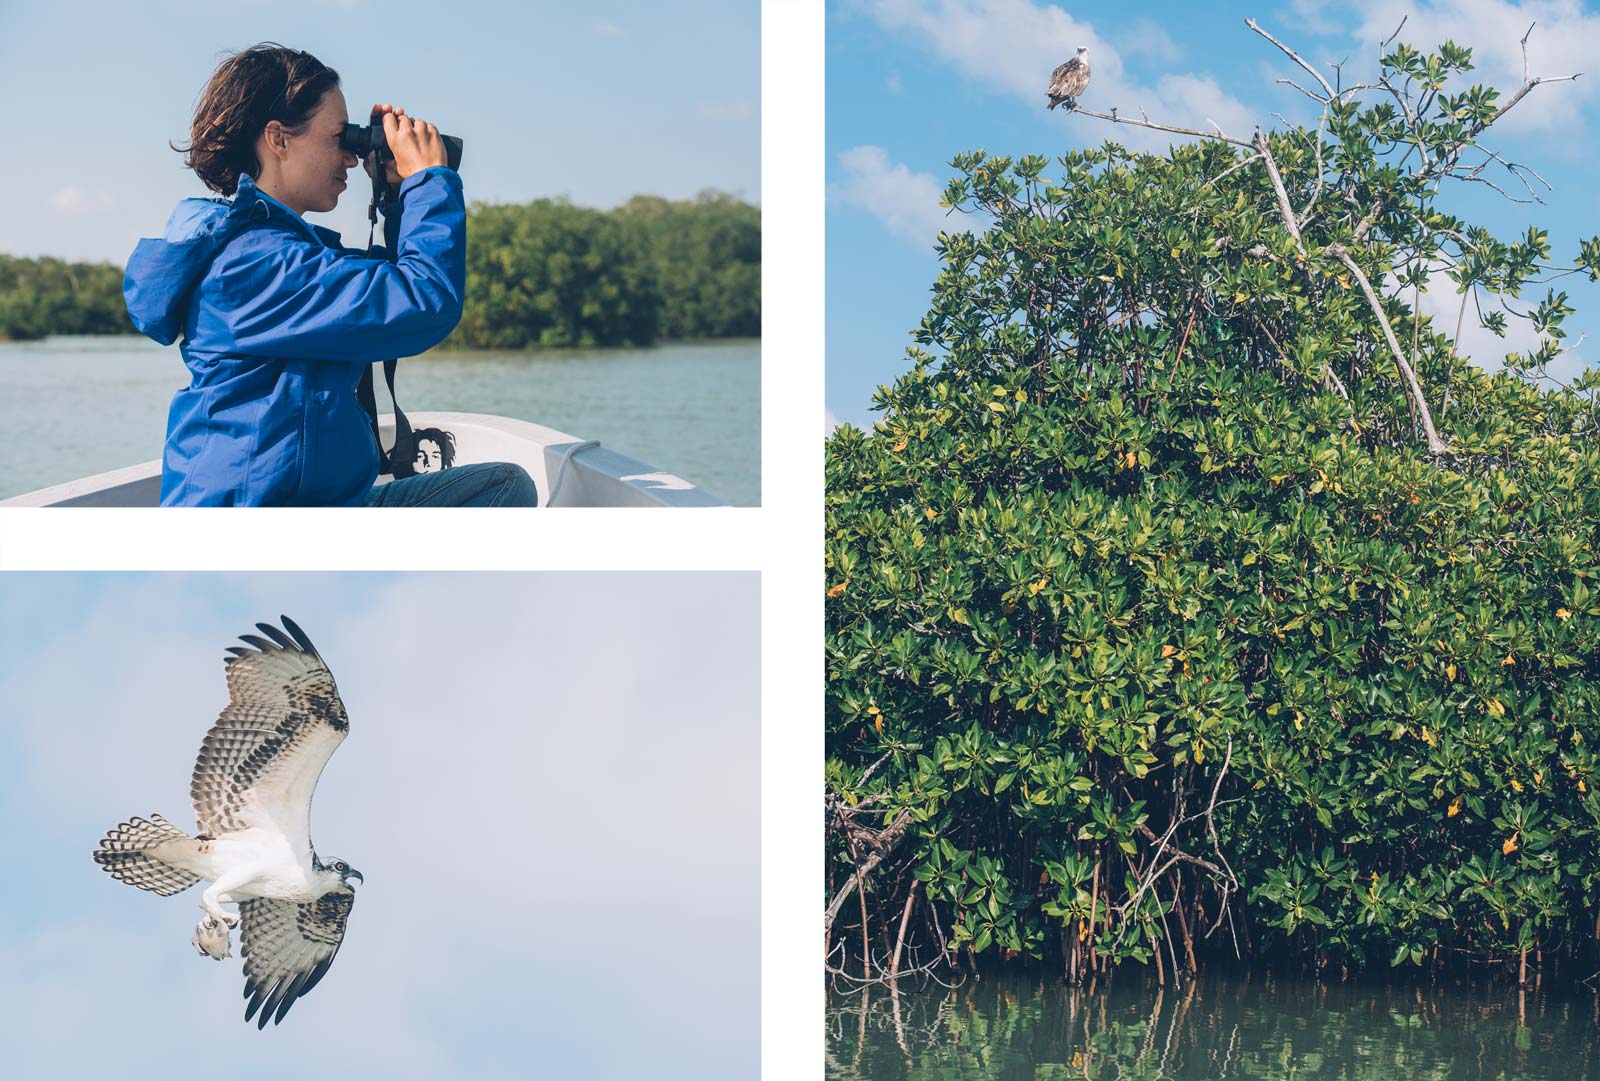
x,y
260,762
288,947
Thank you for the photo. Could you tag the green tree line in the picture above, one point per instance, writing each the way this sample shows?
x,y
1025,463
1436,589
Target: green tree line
x,y
46,296
1193,597
544,274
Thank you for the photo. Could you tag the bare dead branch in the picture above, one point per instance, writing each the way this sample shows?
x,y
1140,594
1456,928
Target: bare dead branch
x,y
883,843
1148,123
1292,55
1303,90
1435,444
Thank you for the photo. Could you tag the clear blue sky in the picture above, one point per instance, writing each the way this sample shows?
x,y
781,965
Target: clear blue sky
x,y
551,784
911,83
596,101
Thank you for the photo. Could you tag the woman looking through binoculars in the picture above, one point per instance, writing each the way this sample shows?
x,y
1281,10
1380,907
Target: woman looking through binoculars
x,y
279,321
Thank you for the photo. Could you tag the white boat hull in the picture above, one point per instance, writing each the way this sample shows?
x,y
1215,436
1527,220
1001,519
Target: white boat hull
x,y
579,473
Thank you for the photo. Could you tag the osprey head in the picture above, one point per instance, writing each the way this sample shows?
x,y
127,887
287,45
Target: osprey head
x,y
343,870
1083,51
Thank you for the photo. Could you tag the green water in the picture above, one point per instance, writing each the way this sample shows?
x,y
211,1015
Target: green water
x,y
1225,1026
72,407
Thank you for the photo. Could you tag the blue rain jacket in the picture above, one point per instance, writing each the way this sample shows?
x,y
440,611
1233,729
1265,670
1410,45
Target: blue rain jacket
x,y
278,323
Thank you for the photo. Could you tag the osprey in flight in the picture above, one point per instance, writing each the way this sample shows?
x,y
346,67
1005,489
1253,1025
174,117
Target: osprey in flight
x,y
252,791
1068,81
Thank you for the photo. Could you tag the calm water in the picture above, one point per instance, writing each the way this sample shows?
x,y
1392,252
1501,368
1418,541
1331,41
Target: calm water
x,y
1231,1026
71,407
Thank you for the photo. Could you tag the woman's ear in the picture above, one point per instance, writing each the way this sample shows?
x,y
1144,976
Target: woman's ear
x,y
277,139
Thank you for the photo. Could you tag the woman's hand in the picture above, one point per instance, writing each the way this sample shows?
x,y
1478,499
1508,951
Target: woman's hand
x,y
414,145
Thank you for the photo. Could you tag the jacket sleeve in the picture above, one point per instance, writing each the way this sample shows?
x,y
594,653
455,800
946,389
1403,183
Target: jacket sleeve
x,y
306,301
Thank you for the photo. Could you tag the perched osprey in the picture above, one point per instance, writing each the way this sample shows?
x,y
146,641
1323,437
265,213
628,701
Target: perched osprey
x,y
1068,81
252,791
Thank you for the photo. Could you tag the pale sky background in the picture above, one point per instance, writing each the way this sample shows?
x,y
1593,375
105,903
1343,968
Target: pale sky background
x,y
596,101
550,783
912,83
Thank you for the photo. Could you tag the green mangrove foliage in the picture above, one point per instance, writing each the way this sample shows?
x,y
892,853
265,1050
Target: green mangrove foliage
x,y
1189,599
553,274
544,274
49,296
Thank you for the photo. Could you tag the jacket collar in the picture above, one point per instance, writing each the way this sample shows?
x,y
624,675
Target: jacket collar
x,y
251,202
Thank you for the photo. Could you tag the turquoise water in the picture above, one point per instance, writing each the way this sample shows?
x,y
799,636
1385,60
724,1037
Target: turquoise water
x,y
71,407
1245,1026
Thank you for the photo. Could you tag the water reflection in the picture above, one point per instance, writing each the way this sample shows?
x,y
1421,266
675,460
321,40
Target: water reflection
x,y
1243,1026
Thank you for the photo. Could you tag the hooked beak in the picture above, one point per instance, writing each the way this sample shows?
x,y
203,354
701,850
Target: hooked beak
x,y
355,874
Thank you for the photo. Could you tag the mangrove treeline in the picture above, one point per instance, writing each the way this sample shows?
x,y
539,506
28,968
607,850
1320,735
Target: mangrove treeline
x,y
546,274
1193,598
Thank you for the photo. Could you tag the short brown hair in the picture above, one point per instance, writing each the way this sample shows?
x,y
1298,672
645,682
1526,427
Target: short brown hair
x,y
263,83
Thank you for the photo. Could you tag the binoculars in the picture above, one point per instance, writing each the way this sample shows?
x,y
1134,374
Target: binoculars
x,y
362,141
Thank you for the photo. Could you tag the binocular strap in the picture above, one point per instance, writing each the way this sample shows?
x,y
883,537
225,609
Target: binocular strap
x,y
399,460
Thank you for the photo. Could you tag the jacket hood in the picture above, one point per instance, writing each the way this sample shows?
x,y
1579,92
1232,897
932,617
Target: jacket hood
x,y
162,272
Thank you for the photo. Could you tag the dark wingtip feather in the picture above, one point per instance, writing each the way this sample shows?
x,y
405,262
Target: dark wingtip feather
x,y
260,643
299,636
276,635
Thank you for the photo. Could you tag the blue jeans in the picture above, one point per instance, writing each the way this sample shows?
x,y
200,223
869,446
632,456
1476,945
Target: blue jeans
x,y
485,484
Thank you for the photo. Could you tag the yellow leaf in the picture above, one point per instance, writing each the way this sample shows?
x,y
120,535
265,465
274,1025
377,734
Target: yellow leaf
x,y
837,591
1454,808
900,445
1581,786
1516,785
1298,727
1562,613
1495,708
1509,660
1020,395
1428,737
872,711
1344,280
1238,298
1538,777
877,722
1167,651
929,512
1450,671
1035,587
1510,846
1131,459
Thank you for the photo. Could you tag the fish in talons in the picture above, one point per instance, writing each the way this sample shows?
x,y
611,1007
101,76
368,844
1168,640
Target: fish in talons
x,y
211,938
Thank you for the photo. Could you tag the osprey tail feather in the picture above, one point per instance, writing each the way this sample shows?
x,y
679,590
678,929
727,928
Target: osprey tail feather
x,y
138,852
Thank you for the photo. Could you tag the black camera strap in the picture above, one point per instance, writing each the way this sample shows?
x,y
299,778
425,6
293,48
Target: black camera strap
x,y
400,459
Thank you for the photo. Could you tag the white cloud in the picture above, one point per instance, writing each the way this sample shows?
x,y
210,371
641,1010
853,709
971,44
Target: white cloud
x,y
906,202
1561,44
74,200
1477,343
1146,37
1013,45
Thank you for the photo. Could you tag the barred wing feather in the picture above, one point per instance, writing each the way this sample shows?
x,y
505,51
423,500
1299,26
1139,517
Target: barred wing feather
x,y
288,948
260,762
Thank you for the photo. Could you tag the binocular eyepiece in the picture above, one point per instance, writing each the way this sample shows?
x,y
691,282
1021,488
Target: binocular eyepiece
x,y
362,141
